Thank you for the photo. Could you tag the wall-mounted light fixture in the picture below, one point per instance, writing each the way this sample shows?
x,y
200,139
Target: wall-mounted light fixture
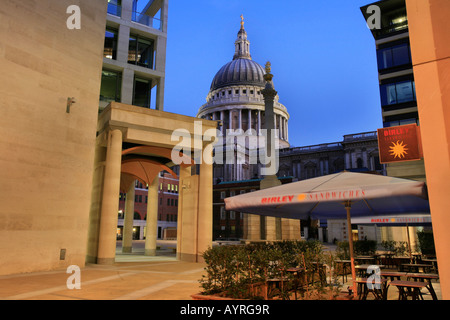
x,y
70,101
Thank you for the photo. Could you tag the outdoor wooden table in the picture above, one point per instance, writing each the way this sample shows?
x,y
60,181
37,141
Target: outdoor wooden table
x,y
417,257
409,288
400,261
432,262
389,258
426,277
362,268
366,259
298,281
319,269
377,288
393,275
414,267
377,257
344,264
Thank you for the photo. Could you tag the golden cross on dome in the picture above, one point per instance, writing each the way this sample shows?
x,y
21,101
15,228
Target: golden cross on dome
x,y
242,20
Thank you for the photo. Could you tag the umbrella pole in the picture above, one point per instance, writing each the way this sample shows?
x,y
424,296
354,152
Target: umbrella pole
x,y
350,243
409,244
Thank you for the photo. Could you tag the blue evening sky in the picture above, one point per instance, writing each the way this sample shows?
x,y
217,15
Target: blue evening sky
x,y
322,54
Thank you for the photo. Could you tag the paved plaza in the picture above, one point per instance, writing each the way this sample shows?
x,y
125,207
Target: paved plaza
x,y
133,277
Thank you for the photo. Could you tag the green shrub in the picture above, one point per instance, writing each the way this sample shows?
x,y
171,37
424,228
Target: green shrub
x,y
389,245
235,271
426,242
364,247
342,250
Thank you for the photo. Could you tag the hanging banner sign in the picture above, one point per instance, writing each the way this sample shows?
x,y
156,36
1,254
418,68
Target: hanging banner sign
x,y
400,143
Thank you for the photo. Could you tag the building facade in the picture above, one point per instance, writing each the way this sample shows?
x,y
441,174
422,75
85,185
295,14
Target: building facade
x,y
47,145
396,78
134,56
356,152
397,89
134,73
167,208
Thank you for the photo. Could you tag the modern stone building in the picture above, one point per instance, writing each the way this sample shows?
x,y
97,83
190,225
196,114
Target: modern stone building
x,y
133,72
396,78
46,163
74,160
134,57
398,98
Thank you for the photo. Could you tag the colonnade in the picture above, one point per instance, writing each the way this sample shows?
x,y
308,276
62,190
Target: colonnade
x,y
245,119
118,167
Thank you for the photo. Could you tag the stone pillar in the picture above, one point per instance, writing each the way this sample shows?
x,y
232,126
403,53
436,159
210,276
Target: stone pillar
x,y
152,218
96,203
240,119
205,209
160,94
250,119
222,119
291,229
287,130
252,227
110,199
123,38
185,172
127,240
126,95
258,125
270,179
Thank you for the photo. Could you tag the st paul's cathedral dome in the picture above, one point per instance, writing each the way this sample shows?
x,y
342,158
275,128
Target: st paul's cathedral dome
x,y
236,100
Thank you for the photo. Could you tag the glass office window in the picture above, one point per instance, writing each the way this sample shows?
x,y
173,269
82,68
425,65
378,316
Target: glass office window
x,y
393,56
141,92
115,7
110,48
398,92
140,51
404,91
110,86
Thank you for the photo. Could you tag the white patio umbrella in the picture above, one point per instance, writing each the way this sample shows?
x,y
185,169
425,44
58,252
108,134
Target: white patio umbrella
x,y
404,220
333,197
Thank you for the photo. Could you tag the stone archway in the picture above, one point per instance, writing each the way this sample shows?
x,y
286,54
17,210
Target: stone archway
x,y
134,143
144,163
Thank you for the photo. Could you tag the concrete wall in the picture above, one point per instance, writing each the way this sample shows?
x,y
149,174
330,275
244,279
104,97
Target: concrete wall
x,y
47,155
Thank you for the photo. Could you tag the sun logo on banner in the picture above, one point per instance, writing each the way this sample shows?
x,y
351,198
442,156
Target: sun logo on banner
x,y
398,149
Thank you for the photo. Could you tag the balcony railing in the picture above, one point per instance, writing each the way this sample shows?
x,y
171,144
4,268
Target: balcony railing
x,y
392,29
146,20
114,9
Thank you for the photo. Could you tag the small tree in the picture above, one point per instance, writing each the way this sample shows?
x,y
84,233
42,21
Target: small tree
x,y
426,242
